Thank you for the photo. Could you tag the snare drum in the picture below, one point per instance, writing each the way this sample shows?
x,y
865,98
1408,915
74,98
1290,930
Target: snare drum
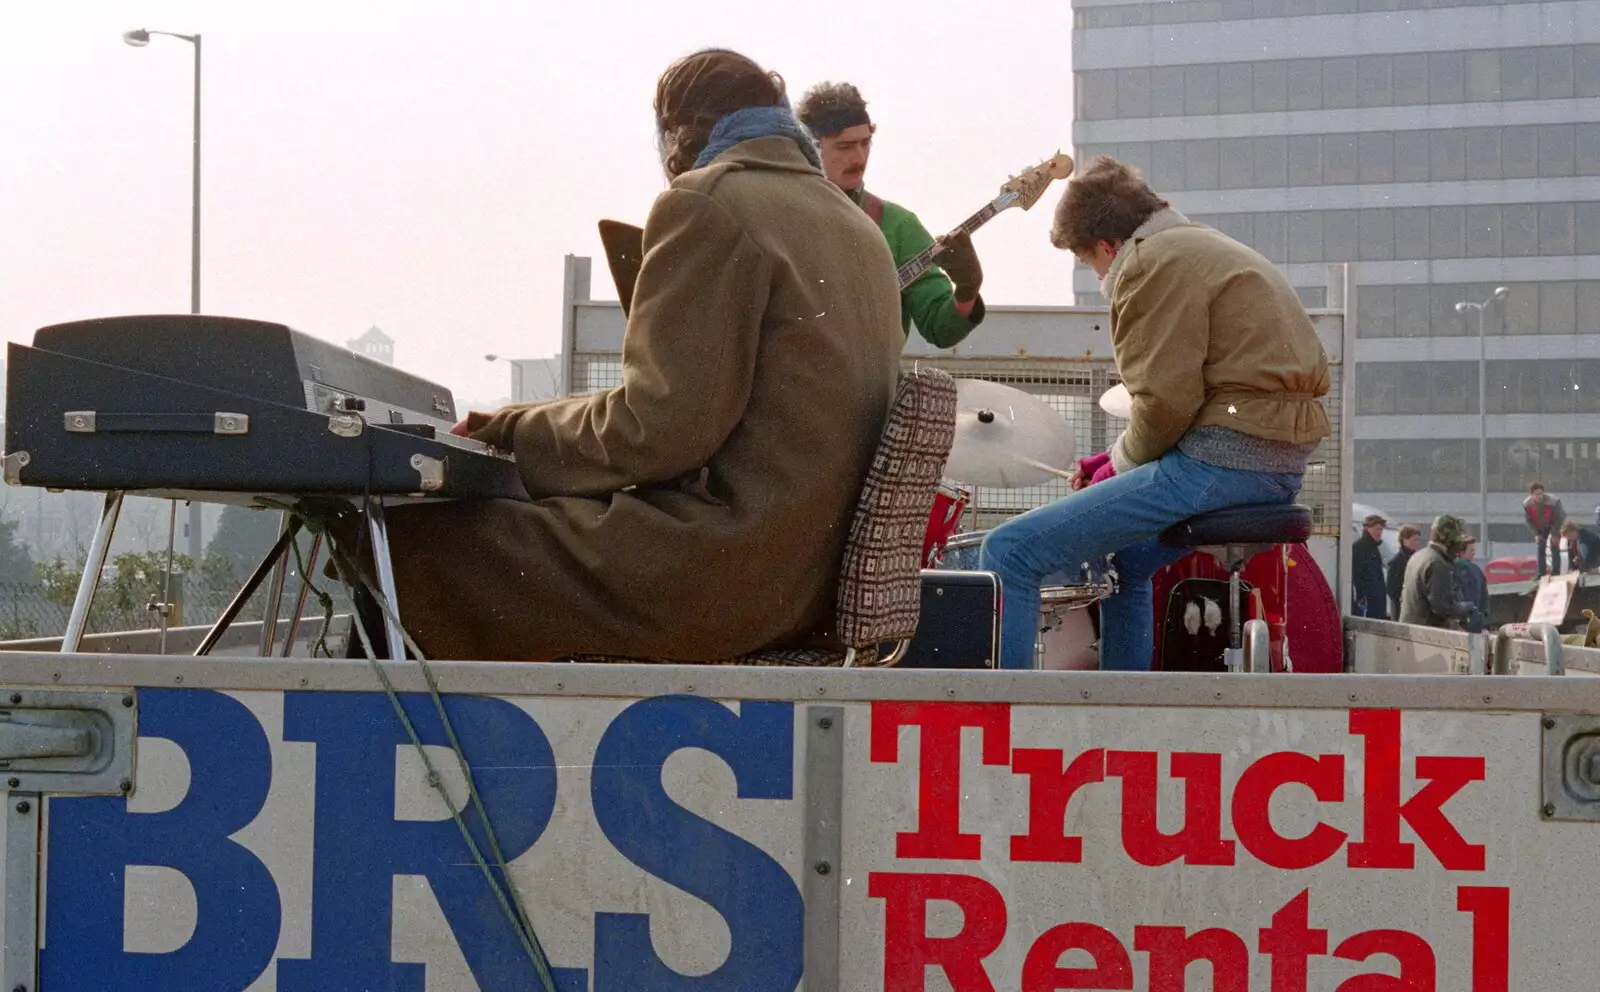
x,y
949,503
960,553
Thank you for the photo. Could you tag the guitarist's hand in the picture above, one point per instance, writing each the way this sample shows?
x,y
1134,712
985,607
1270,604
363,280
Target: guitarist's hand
x,y
956,256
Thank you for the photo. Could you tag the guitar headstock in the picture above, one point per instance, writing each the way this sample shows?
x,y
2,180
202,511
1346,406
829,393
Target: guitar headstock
x,y
1026,189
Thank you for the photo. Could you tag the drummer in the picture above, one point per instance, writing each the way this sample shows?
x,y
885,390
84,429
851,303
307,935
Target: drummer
x,y
1225,375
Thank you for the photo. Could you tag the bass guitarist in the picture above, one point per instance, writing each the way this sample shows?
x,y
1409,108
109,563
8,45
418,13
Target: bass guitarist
x,y
945,310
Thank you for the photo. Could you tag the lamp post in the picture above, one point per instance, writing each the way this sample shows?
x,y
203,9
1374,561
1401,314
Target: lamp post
x,y
516,379
138,39
1464,307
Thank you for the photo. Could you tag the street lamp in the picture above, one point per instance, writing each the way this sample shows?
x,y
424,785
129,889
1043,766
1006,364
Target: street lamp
x,y
138,39
516,381
1465,306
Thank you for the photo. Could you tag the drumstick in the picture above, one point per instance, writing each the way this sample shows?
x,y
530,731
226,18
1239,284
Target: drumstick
x,y
1031,463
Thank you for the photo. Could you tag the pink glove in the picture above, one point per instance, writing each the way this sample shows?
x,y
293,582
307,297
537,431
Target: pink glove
x,y
1104,472
1091,466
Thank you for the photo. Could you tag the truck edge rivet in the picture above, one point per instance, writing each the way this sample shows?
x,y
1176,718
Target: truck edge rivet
x,y
24,806
822,867
825,722
127,701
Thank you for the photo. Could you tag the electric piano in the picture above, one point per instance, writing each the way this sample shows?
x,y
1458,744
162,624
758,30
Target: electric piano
x,y
224,410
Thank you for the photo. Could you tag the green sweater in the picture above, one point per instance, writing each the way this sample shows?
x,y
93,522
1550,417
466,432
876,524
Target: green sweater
x,y
930,300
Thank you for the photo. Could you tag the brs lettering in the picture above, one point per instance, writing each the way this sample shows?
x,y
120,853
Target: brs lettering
x,y
359,846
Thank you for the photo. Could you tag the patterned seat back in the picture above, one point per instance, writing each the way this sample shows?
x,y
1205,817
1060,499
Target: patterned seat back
x,y
880,583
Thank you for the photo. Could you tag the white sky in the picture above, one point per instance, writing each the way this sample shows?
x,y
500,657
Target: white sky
x,y
425,166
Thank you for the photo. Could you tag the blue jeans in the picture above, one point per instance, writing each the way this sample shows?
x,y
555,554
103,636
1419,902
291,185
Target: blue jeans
x,y
1121,516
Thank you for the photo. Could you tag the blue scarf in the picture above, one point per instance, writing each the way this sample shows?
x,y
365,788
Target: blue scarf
x,y
758,122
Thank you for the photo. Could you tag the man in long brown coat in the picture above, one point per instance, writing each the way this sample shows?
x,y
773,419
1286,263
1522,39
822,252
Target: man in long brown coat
x,y
699,510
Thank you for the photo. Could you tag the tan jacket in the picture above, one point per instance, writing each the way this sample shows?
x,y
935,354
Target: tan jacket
x,y
700,509
1208,333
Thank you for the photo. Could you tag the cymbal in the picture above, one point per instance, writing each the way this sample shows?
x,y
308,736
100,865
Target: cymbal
x,y
1007,438
1117,402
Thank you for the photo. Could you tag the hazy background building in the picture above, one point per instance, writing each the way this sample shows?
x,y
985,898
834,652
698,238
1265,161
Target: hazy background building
x,y
1444,147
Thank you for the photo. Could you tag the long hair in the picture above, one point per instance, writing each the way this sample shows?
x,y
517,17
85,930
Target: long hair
x,y
696,91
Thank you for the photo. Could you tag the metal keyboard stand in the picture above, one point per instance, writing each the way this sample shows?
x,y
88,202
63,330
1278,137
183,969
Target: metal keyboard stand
x,y
274,564
99,547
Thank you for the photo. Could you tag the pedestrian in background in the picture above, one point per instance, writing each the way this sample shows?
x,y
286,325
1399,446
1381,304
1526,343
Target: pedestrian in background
x,y
1410,541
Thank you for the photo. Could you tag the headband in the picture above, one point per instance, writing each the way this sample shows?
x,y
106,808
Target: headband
x,y
834,123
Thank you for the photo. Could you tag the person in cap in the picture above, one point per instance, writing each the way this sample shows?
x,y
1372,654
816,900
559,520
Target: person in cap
x,y
1473,583
945,305
1431,597
1369,595
1226,376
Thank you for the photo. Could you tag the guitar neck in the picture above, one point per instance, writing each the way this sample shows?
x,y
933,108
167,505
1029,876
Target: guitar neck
x,y
923,260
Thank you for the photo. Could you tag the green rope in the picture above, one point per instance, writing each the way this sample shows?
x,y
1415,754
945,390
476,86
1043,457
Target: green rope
x,y
512,904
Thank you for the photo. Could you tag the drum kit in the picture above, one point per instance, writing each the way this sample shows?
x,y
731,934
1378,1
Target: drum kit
x,y
1009,439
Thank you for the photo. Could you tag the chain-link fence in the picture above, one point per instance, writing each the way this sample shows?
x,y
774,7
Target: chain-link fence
x,y
32,609
1072,387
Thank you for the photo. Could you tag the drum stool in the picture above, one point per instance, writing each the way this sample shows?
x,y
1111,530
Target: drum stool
x,y
1233,536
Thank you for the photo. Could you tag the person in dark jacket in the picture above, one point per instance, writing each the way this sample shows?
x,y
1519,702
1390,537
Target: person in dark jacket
x,y
1410,541
1431,597
1472,582
1370,593
1583,547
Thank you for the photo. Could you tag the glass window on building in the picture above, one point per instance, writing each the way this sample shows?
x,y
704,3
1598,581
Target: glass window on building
x,y
1555,73
1200,167
1416,466
1375,157
1557,150
1375,80
1305,236
1556,236
1483,153
1586,222
1338,83
1200,90
1521,309
1586,148
1305,159
1519,74
1586,70
1341,236
1558,308
1236,90
1375,312
1272,236
1519,152
1410,79
1444,322
1411,311
1377,235
1447,227
1133,93
1236,160
1588,316
1304,79
1340,159
1270,84
1166,91
1411,232
1411,156
1482,76
1447,154
1520,229
1272,161
1483,232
